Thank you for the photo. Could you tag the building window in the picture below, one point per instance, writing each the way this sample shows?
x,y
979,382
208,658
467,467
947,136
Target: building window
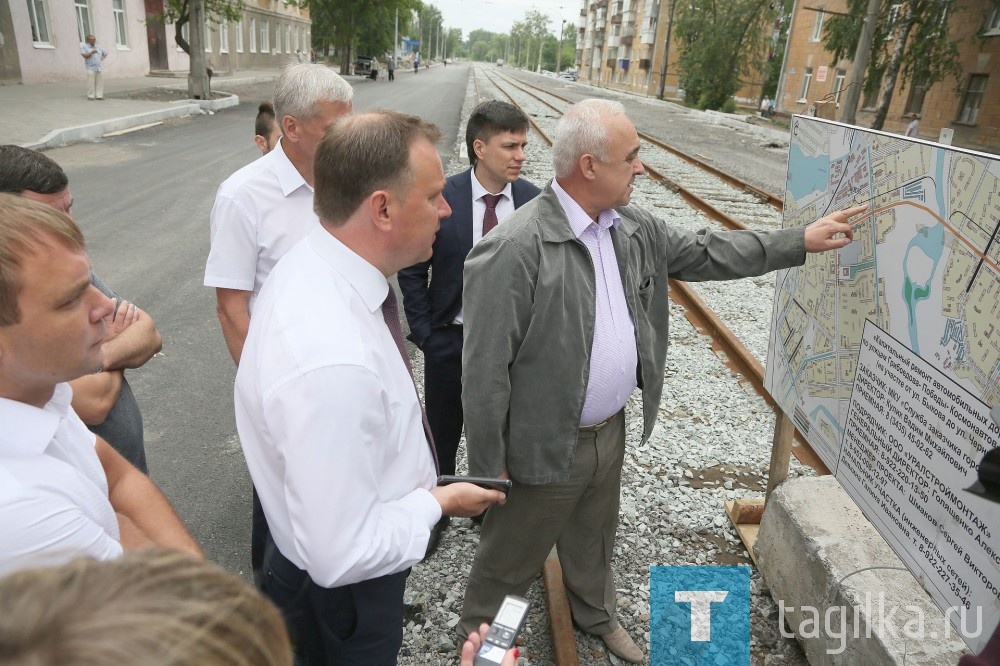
x,y
277,37
82,19
39,22
208,37
973,98
817,32
239,36
253,35
265,37
224,36
838,84
806,81
121,33
295,36
893,17
993,25
288,39
915,102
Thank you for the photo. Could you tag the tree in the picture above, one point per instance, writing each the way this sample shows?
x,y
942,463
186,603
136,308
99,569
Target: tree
x,y
720,42
912,43
178,12
358,25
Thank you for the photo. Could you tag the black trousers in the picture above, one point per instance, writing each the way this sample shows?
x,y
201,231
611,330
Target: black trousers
x,y
351,625
443,392
258,539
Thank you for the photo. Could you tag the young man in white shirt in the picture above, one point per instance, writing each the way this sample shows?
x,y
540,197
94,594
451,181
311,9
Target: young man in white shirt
x,y
63,491
327,411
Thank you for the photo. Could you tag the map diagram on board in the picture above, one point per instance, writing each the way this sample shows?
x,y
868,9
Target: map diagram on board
x,y
923,268
886,353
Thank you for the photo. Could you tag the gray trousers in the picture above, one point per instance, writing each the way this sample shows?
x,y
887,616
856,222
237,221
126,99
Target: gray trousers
x,y
580,516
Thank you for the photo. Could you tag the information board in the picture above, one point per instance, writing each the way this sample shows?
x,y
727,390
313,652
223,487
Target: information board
x,y
886,354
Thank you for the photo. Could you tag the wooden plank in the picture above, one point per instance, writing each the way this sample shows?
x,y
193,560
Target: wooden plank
x,y
781,451
563,638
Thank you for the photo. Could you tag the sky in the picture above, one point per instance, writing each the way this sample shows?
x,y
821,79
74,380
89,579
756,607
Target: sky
x,y
499,15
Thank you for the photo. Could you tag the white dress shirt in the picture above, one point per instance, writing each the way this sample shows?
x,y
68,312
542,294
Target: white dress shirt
x,y
260,213
504,209
53,492
330,421
614,356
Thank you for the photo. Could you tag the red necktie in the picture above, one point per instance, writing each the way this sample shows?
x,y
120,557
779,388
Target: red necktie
x,y
390,312
490,218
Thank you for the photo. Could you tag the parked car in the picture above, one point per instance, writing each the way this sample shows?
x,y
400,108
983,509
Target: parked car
x,y
366,66
568,76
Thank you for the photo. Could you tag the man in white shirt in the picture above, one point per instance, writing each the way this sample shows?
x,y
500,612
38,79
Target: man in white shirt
x,y
326,407
63,491
265,208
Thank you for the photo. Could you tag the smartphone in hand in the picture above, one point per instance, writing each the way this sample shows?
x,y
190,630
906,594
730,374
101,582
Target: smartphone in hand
x,y
503,485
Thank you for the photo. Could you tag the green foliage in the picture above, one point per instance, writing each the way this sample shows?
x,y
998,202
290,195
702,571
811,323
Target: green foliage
x,y
359,26
930,54
729,106
178,12
720,42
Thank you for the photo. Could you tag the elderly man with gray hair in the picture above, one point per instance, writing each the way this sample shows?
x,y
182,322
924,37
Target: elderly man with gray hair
x,y
266,207
566,314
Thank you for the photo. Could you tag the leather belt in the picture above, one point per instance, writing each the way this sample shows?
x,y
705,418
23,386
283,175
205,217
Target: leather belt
x,y
597,427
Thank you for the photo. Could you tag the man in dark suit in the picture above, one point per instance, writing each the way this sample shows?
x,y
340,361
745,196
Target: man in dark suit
x,y
480,197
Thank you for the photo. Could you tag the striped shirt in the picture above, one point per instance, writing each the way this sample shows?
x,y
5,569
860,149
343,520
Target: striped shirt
x,y
613,355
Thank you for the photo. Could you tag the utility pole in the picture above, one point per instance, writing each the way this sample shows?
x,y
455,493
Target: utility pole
x,y
666,50
562,29
779,96
860,65
198,83
395,38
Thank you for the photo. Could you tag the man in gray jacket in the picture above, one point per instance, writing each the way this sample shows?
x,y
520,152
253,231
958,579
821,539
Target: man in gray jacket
x,y
566,313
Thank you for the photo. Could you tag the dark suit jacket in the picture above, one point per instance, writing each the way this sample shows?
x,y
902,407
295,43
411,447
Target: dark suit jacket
x,y
433,303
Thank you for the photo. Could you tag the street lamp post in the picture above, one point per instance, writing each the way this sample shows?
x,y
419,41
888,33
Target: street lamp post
x,y
562,29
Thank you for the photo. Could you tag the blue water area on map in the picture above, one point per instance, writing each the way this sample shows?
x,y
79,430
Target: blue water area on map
x,y
835,422
930,241
806,174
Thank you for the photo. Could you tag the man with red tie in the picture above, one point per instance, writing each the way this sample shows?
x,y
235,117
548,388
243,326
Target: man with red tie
x,y
480,198
326,408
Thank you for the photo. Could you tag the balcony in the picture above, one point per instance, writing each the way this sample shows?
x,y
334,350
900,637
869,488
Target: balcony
x,y
648,36
616,19
602,4
623,64
613,41
610,62
645,63
626,40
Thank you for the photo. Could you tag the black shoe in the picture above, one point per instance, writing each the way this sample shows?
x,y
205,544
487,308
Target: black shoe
x,y
436,532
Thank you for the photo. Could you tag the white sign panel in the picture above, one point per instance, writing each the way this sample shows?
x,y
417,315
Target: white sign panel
x,y
886,354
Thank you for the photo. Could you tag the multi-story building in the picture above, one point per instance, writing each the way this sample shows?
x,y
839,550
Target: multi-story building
x,y
622,45
810,76
40,39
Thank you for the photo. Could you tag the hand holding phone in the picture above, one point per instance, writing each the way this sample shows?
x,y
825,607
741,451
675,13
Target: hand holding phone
x,y
503,485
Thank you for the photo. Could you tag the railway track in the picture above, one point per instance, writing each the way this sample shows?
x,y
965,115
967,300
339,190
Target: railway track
x,y
722,198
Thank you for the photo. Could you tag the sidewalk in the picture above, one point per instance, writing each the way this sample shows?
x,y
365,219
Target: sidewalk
x,y
51,114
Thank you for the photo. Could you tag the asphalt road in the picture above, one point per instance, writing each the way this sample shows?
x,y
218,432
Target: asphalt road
x,y
143,200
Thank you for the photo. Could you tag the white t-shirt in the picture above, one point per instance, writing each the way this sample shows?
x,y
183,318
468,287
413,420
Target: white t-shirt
x,y
260,212
330,421
53,492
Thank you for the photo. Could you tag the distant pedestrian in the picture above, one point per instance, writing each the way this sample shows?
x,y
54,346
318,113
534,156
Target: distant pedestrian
x,y
765,106
770,108
390,65
913,129
416,62
93,55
